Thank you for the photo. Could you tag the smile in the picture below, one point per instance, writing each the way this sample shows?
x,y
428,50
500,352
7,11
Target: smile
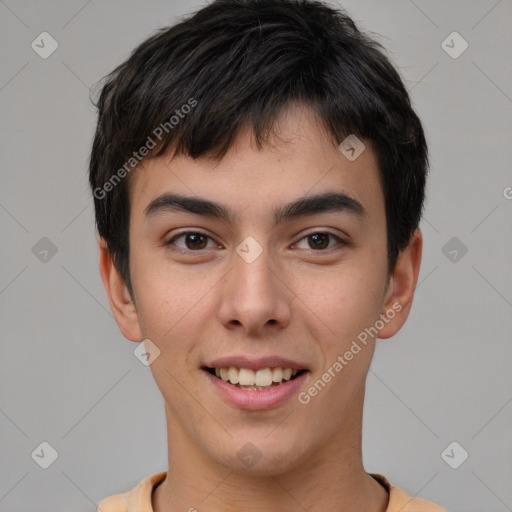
x,y
246,378
259,389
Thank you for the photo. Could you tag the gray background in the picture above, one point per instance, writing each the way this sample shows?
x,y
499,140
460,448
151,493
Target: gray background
x,y
69,378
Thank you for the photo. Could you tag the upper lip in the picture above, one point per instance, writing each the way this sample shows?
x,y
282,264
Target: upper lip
x,y
256,363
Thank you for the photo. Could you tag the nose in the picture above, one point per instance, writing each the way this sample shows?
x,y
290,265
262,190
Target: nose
x,y
255,297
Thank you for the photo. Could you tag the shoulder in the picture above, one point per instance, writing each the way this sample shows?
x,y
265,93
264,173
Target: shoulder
x,y
400,501
137,499
403,502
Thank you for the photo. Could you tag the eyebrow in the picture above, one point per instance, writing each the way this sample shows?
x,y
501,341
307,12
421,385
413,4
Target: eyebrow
x,y
307,205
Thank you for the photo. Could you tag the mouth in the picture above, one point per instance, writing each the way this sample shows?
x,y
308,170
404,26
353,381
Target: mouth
x,y
255,379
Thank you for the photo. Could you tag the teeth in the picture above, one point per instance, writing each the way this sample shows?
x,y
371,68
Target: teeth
x,y
233,375
246,377
251,379
263,377
277,374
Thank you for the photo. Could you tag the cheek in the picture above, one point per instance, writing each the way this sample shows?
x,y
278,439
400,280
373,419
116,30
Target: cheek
x,y
173,307
169,300
337,316
342,305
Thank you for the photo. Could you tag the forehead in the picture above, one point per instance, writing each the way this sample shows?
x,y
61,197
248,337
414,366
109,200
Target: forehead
x,y
298,158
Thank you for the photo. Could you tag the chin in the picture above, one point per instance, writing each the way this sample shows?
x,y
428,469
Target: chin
x,y
257,456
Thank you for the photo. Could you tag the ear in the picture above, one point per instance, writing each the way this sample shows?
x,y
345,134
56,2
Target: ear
x,y
401,287
118,295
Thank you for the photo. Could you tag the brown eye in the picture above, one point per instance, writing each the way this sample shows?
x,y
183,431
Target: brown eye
x,y
320,241
193,241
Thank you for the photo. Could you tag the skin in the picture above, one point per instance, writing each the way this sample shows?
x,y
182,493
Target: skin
x,y
294,301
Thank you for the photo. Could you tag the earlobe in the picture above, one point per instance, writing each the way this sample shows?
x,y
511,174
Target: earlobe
x,y
400,292
119,298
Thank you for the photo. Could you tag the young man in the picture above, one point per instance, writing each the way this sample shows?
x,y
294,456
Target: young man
x,y
258,175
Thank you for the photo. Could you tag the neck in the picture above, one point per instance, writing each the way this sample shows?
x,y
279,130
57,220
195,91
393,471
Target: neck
x,y
329,478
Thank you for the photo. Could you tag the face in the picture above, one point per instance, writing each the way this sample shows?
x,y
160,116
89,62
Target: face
x,y
260,281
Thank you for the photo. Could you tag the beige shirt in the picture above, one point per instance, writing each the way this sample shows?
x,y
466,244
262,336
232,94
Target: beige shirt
x,y
138,499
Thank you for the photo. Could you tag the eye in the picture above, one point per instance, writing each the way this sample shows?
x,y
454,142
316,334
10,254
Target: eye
x,y
192,241
320,240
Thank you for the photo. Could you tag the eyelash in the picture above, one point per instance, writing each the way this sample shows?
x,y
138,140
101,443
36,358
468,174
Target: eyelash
x,y
171,241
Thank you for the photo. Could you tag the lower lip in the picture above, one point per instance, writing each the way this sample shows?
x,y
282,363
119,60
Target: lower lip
x,y
254,400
